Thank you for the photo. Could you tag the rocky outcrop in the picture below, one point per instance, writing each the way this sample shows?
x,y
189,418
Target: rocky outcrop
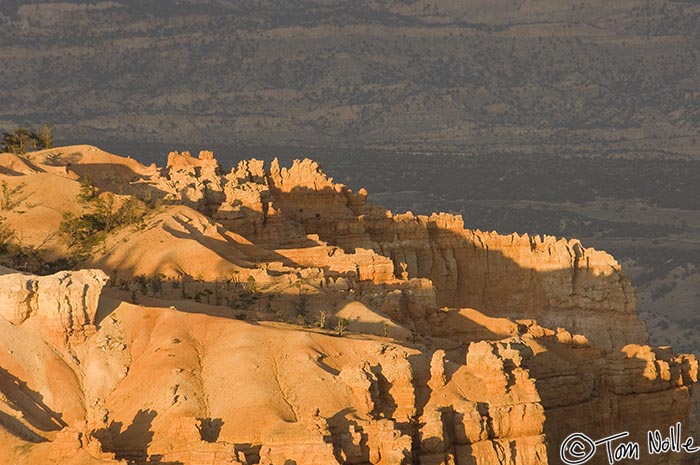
x,y
556,281
362,265
507,401
302,212
466,347
196,444
499,416
637,389
194,181
71,442
65,303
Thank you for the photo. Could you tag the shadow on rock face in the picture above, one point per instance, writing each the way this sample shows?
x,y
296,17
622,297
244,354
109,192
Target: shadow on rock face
x,y
132,443
31,404
210,428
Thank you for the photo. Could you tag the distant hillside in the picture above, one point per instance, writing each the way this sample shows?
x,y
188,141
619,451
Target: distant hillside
x,y
610,78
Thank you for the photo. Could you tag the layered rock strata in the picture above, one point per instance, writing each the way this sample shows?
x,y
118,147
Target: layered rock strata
x,y
460,347
304,214
65,303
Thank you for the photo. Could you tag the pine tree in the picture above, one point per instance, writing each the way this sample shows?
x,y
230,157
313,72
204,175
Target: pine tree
x,y
44,137
18,141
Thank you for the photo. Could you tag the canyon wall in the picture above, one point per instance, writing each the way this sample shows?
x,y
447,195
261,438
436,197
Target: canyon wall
x,y
197,389
556,281
449,346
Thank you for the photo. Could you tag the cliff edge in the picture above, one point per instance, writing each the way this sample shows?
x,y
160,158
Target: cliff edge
x,y
268,315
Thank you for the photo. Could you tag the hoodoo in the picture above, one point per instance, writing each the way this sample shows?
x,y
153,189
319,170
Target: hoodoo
x,y
268,315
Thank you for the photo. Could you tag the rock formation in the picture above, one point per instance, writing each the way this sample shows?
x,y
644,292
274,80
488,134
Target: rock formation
x,y
462,347
65,303
556,281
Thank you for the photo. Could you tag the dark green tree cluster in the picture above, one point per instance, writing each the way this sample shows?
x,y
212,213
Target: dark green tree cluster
x,y
146,285
22,140
102,213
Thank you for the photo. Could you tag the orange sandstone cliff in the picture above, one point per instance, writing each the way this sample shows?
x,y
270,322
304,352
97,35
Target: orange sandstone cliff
x,y
268,315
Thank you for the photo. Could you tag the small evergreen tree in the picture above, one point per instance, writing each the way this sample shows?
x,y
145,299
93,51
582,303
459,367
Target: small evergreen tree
x,y
82,232
301,306
11,197
322,317
7,236
21,140
88,191
105,210
18,141
155,284
44,137
341,326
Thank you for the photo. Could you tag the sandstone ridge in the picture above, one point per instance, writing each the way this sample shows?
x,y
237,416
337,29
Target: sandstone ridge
x,y
268,315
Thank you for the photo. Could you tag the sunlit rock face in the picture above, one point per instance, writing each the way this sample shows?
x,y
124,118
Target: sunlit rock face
x,y
556,281
269,315
65,303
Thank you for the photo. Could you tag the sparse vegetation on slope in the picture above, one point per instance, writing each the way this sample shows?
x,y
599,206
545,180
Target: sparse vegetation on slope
x,y
12,197
592,78
102,213
7,236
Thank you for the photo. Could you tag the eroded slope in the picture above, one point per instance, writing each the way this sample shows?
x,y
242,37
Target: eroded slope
x,y
269,315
